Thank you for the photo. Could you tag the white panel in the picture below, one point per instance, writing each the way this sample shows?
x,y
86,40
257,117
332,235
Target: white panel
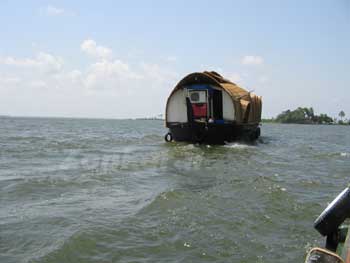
x,y
177,109
228,110
201,96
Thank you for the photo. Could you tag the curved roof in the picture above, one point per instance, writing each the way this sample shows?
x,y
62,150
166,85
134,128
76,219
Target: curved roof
x,y
247,105
214,79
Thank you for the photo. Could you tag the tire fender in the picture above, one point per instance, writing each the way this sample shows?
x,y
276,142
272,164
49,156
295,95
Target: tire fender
x,y
168,137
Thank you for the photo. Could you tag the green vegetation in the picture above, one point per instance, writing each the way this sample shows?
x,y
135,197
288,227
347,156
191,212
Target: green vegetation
x,y
341,115
303,115
272,120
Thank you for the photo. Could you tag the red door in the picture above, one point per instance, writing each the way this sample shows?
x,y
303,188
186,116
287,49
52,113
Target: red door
x,y
199,110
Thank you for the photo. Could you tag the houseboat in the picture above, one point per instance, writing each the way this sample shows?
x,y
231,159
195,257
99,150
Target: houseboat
x,y
204,107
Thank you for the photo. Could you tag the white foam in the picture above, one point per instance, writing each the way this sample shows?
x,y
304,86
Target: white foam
x,y
236,145
187,244
189,147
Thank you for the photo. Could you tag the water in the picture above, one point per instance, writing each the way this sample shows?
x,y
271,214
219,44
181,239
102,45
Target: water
x,y
113,191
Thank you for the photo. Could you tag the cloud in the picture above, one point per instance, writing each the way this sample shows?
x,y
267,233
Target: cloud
x,y
119,77
51,10
235,77
156,73
90,47
6,80
171,59
38,84
109,75
43,61
54,11
206,67
252,60
105,87
263,79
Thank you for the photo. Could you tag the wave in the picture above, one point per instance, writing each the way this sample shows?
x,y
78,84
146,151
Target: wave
x,y
238,145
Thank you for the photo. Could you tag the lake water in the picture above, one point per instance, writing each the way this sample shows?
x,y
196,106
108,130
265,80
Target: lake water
x,y
74,190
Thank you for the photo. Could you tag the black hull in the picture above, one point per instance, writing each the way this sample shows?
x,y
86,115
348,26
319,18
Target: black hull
x,y
212,133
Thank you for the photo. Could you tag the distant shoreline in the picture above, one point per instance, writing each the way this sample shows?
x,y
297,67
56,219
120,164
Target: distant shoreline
x,y
263,121
74,118
304,115
323,124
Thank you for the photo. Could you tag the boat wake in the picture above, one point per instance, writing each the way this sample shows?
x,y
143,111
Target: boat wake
x,y
344,154
237,145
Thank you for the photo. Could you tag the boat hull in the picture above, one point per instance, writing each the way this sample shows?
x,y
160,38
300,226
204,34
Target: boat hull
x,y
213,133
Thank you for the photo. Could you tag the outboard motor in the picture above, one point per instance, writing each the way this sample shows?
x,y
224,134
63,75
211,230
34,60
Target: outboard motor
x,y
330,224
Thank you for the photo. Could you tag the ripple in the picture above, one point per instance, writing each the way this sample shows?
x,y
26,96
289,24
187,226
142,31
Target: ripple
x,y
114,191
239,146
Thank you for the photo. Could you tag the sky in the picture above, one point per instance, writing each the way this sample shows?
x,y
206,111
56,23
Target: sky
x,y
121,59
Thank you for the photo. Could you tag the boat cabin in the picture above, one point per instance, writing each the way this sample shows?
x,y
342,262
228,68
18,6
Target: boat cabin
x,y
206,103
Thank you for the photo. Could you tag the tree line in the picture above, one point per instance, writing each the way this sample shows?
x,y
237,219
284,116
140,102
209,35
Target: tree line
x,y
304,115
